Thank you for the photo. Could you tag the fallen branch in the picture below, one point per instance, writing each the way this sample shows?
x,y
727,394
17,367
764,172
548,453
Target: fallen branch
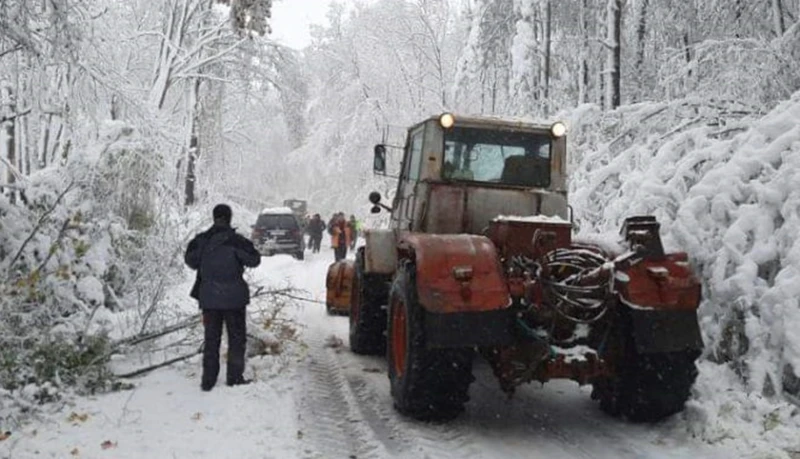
x,y
300,298
287,292
263,291
153,305
142,337
38,227
167,363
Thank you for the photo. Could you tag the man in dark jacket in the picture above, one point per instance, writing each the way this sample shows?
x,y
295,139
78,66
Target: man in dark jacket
x,y
220,255
315,229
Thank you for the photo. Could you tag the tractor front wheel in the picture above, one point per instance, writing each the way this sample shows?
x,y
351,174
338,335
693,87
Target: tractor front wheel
x,y
367,313
426,384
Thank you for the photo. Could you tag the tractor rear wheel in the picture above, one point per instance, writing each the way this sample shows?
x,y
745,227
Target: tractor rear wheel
x,y
426,384
647,387
367,313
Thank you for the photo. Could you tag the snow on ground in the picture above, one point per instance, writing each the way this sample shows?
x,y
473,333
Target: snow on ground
x,y
166,415
330,403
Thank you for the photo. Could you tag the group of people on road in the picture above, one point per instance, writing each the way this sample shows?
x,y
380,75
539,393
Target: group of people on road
x,y
344,234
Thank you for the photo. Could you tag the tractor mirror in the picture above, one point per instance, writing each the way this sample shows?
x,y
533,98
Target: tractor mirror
x,y
379,160
375,198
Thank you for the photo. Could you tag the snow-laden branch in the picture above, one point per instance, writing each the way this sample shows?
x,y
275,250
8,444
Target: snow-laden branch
x,y
207,40
18,176
38,226
194,67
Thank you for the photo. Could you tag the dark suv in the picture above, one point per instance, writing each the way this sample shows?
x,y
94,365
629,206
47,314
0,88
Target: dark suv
x,y
278,230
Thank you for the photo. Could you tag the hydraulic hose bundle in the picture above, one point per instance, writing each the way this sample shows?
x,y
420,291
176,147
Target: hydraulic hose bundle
x,y
573,282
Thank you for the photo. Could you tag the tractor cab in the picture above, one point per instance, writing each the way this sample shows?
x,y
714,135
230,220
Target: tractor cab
x,y
458,173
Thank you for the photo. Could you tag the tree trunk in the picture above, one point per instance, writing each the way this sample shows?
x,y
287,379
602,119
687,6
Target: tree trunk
x,y
614,64
738,12
24,145
194,147
189,184
11,178
114,107
641,36
44,141
687,52
583,81
777,17
547,46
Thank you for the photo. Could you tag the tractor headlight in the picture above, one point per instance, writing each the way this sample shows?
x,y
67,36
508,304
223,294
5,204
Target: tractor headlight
x,y
558,129
447,120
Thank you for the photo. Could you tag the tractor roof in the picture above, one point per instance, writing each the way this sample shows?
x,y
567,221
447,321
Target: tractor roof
x,y
496,122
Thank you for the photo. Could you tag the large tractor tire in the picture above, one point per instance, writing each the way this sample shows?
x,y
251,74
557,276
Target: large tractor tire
x,y
367,312
647,387
426,384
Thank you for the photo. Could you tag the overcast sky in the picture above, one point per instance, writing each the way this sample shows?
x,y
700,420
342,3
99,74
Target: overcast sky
x,y
291,18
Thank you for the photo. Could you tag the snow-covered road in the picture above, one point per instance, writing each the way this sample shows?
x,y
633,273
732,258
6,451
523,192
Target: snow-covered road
x,y
330,403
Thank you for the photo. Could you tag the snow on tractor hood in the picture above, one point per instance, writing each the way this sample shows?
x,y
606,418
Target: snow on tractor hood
x,y
530,219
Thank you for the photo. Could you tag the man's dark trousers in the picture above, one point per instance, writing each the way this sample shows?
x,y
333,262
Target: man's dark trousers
x,y
236,326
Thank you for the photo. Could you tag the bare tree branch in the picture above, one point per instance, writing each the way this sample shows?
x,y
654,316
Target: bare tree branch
x,y
14,116
10,50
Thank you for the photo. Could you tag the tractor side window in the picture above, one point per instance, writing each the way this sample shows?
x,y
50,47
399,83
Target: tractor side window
x,y
415,156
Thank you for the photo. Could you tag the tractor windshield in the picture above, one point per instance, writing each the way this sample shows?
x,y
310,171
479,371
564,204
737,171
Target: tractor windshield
x,y
492,156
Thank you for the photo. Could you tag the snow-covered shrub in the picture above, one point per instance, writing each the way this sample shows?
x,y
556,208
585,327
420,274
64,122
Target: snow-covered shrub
x,y
723,182
82,240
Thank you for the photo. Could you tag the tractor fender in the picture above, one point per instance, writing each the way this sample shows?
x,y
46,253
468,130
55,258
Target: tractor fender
x,y
380,251
664,283
662,296
456,272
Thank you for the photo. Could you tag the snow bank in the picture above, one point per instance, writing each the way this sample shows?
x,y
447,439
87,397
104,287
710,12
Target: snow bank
x,y
726,189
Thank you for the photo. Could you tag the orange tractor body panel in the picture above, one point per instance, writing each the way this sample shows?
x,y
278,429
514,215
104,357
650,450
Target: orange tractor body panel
x,y
456,273
667,284
338,283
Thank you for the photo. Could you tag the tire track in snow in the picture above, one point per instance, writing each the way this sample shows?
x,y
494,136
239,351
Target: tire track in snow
x,y
330,424
404,437
473,435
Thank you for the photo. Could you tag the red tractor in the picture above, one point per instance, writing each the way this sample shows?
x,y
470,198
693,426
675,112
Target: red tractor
x,y
480,260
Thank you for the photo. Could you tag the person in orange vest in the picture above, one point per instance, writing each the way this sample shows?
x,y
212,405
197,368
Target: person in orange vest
x,y
341,236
